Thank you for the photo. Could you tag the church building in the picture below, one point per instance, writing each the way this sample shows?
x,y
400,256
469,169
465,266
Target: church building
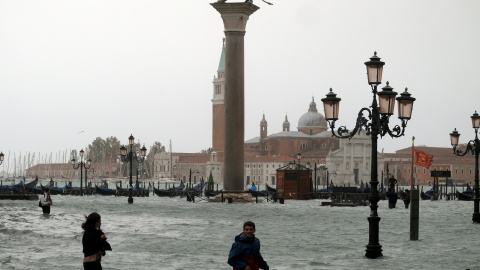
x,y
345,162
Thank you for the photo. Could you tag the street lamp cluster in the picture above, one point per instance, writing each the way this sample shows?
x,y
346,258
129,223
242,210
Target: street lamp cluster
x,y
375,121
81,164
130,157
473,146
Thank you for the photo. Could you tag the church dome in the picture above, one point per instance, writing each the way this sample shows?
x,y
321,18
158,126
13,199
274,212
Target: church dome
x,y
312,118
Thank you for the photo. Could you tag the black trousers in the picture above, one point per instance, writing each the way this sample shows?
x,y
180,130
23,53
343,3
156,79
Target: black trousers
x,y
46,209
96,265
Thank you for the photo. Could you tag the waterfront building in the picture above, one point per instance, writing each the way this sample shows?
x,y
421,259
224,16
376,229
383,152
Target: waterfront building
x,y
400,166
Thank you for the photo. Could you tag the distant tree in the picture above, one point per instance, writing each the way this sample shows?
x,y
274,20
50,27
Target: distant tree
x,y
101,150
206,151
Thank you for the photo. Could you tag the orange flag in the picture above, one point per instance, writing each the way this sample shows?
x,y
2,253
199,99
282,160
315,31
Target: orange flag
x,y
423,159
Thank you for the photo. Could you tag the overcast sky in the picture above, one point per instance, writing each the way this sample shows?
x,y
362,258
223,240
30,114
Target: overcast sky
x,y
71,71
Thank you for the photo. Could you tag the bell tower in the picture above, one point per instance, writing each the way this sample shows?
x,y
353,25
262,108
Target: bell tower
x,y
263,128
218,107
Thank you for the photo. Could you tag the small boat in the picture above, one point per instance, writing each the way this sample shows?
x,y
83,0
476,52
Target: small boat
x,y
428,195
257,193
171,192
105,191
197,190
53,190
270,189
467,195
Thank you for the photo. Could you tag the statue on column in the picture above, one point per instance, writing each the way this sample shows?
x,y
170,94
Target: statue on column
x,y
392,182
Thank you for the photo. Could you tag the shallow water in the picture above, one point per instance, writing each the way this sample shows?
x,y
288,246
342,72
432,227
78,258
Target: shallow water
x,y
171,233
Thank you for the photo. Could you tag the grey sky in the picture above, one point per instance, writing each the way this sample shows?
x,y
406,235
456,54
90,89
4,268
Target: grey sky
x,y
115,68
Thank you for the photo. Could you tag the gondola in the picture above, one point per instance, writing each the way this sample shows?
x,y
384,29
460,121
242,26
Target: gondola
x,y
270,189
105,191
467,195
140,192
212,193
428,195
164,192
136,192
197,189
257,193
54,190
170,192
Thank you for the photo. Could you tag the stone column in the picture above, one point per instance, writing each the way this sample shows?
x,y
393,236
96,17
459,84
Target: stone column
x,y
234,16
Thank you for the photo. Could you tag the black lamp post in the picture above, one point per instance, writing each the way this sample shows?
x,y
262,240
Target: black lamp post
x,y
1,157
473,146
375,122
130,157
81,164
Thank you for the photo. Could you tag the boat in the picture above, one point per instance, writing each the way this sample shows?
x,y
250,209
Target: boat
x,y
140,192
196,190
105,191
467,195
257,193
170,192
270,189
428,195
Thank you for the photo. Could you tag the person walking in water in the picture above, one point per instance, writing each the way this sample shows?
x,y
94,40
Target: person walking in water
x,y
245,252
94,242
46,201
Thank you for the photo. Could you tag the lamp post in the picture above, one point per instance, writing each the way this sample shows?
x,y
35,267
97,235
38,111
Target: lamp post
x,y
130,157
375,122
81,164
1,157
473,146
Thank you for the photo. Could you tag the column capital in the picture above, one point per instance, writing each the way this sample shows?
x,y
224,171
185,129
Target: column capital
x,y
235,15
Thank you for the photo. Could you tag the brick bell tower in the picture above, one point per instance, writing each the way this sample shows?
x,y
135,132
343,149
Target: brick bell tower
x,y
218,107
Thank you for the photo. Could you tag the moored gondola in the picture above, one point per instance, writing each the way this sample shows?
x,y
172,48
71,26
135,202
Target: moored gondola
x,y
170,192
105,191
467,195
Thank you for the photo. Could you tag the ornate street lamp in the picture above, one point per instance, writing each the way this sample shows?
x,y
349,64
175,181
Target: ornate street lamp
x,y
473,146
375,122
130,157
1,157
81,164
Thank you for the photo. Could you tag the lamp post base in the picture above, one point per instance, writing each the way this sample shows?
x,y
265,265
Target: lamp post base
x,y
130,193
476,214
374,249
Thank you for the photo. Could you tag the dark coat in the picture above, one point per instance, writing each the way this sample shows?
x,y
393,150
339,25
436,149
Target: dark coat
x,y
392,197
246,251
93,243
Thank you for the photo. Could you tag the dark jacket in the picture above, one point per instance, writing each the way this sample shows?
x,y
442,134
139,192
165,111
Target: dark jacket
x,y
392,197
246,251
93,243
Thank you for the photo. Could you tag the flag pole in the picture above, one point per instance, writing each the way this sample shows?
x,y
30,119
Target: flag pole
x,y
413,157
